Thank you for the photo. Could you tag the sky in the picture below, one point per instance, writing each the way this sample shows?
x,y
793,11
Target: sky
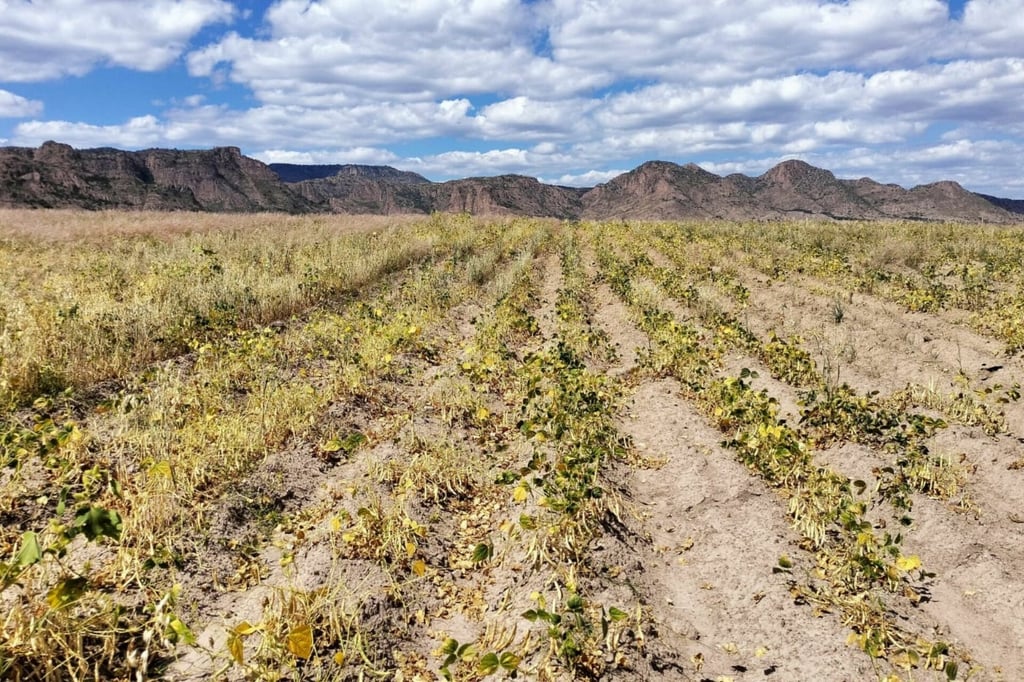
x,y
570,91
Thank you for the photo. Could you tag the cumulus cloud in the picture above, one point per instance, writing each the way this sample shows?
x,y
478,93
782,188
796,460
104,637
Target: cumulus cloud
x,y
44,40
339,50
364,155
563,89
143,131
588,179
16,106
722,42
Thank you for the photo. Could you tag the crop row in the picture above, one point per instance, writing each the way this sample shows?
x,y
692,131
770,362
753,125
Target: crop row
x,y
858,562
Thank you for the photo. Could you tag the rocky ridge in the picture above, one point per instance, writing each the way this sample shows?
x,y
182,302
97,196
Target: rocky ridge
x,y
222,179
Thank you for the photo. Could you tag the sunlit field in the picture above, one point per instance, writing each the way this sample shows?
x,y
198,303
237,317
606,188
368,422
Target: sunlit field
x,y
343,448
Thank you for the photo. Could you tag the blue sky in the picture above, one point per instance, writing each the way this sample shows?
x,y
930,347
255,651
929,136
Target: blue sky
x,y
570,91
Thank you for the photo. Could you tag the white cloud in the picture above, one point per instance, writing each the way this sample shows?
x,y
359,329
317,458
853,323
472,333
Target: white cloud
x,y
45,40
340,50
365,155
274,126
528,118
16,106
721,42
143,131
992,27
588,179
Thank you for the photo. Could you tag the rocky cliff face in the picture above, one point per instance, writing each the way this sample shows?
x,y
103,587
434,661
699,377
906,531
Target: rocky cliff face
x,y
55,175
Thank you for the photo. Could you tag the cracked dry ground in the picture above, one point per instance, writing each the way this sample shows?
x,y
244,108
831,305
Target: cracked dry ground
x,y
543,457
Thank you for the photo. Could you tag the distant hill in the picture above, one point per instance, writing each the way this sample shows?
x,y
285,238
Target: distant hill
x,y
792,189
498,195
222,179
1011,205
293,172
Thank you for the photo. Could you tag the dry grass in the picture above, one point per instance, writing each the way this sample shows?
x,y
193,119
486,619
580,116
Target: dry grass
x,y
87,297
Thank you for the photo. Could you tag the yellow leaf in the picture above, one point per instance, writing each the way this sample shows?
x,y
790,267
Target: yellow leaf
x,y
235,649
161,470
760,651
419,567
908,563
335,524
339,658
482,414
244,628
300,641
410,548
519,494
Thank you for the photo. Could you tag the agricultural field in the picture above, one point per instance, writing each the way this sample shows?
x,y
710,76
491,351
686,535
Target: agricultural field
x,y
339,448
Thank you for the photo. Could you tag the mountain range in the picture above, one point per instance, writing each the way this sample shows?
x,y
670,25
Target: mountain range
x,y
222,179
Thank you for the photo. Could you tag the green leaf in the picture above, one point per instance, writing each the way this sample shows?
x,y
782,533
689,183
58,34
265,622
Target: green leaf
x,y
450,646
97,522
482,553
488,665
332,445
951,670
30,552
348,444
66,592
180,632
531,615
615,615
509,661
352,441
